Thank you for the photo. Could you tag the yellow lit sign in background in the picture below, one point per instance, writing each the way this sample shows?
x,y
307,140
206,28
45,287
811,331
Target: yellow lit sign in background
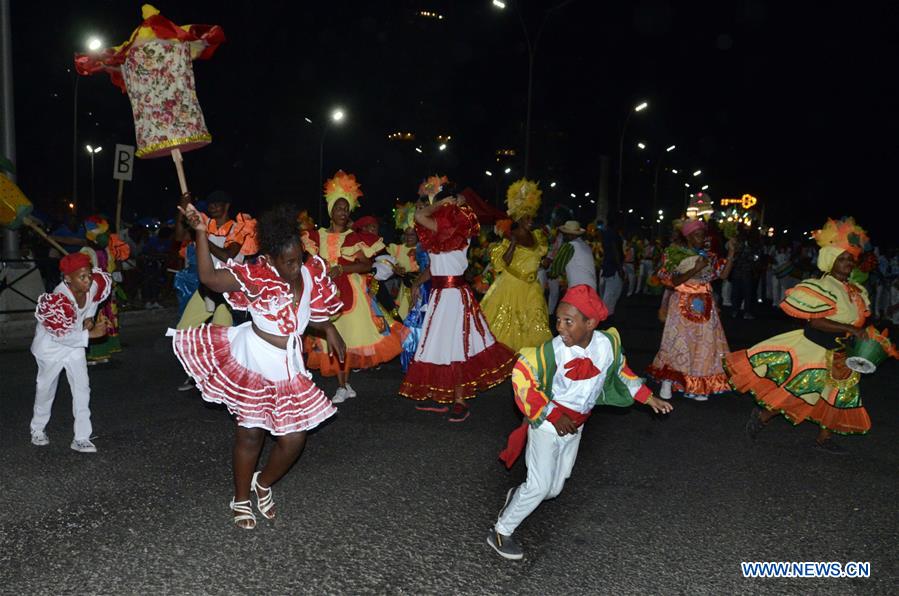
x,y
746,202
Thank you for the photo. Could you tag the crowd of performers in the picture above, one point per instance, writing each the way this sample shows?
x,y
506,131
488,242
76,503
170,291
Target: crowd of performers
x,y
276,298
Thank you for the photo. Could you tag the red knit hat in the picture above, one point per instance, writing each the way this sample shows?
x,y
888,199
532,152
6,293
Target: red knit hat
x,y
73,262
365,220
585,299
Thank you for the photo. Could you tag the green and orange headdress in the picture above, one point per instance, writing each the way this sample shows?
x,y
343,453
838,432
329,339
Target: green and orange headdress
x,y
523,199
342,186
404,216
433,185
837,237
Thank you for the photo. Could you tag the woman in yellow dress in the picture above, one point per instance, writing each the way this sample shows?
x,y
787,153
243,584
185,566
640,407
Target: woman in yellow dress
x,y
514,305
370,340
802,374
406,266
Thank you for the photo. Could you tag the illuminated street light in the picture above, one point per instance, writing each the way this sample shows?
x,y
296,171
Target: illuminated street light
x,y
661,212
442,147
552,184
586,194
697,173
93,151
705,187
641,145
418,149
94,44
686,184
308,119
499,4
337,115
630,210
489,173
671,148
642,106
573,196
507,170
673,171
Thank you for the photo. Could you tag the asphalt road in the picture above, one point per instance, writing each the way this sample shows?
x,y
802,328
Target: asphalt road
x,y
390,500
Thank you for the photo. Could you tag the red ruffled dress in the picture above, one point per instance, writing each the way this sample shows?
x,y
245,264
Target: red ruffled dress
x,y
263,386
457,348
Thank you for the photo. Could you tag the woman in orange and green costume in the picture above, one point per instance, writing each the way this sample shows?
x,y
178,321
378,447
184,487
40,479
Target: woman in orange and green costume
x,y
802,374
370,339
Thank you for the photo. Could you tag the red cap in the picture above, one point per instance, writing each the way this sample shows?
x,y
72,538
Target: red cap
x,y
363,221
585,299
73,262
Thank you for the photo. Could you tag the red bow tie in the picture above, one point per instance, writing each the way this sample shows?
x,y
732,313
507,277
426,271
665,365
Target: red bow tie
x,y
580,369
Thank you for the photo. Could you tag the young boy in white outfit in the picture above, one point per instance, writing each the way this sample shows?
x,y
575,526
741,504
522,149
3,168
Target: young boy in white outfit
x,y
556,386
65,325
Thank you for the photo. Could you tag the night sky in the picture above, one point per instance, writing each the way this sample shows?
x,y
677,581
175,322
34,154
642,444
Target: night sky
x,y
793,102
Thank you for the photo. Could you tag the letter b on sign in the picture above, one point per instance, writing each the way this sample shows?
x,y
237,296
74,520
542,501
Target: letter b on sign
x,y
123,164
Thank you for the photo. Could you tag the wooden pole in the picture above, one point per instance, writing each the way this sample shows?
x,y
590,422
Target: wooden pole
x,y
179,165
40,232
118,208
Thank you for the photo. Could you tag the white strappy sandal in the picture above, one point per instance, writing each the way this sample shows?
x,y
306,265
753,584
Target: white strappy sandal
x,y
263,503
244,511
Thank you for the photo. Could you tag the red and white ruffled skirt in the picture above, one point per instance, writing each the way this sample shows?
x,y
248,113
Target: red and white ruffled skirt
x,y
235,367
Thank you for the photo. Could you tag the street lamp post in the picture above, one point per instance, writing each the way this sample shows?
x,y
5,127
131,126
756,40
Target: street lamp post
x,y
93,44
655,180
532,52
92,151
638,108
336,117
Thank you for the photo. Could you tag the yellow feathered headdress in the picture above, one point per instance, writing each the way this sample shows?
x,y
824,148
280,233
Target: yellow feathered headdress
x,y
342,186
433,185
305,222
843,233
523,199
404,216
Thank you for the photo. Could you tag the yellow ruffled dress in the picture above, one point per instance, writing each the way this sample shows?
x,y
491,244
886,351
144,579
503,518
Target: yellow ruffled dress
x,y
514,305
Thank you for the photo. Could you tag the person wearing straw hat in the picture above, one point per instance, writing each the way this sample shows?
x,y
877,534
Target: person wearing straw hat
x,y
574,258
802,374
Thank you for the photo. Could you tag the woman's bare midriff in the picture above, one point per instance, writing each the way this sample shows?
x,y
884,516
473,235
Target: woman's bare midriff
x,y
279,341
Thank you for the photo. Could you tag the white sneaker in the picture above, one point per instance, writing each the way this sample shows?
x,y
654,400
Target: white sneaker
x,y
39,438
665,390
84,446
341,396
350,392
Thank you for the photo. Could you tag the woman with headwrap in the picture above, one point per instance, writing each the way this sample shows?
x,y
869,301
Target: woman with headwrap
x,y
693,342
514,305
802,374
370,340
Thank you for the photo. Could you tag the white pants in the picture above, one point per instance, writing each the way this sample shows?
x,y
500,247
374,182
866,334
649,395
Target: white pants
x,y
550,459
48,372
611,291
644,275
553,302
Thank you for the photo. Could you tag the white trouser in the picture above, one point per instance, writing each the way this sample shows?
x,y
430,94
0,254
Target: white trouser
x,y
631,278
644,275
726,289
611,291
48,372
553,285
550,459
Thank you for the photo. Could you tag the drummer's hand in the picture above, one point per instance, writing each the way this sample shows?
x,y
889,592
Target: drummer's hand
x,y
193,217
859,333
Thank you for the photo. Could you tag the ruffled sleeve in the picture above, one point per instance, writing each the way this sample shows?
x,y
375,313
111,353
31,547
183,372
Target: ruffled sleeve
x,y
311,241
455,225
325,301
244,233
496,255
810,299
104,285
56,313
260,286
361,243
